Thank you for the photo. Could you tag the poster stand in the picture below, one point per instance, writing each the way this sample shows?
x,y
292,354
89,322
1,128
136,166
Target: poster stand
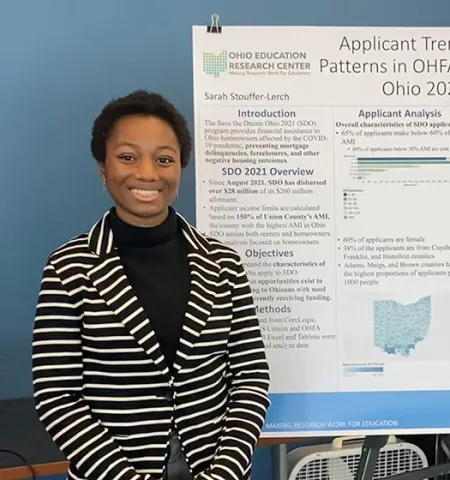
x,y
372,443
369,457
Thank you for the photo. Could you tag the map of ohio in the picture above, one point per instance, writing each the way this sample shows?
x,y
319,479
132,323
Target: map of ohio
x,y
398,328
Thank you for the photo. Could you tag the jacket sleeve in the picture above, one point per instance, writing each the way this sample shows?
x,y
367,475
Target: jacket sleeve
x,y
58,381
249,379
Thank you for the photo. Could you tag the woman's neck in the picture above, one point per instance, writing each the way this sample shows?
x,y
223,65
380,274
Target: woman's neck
x,y
126,234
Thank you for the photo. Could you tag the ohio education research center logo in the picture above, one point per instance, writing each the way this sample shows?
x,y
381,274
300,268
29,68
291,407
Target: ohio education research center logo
x,y
256,63
215,63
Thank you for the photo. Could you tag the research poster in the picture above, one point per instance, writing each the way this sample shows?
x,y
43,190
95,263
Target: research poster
x,y
323,159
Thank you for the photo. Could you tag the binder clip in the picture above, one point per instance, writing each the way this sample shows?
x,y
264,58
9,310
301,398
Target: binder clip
x,y
214,27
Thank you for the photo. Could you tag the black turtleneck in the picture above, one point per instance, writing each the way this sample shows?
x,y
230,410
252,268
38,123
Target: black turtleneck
x,y
155,261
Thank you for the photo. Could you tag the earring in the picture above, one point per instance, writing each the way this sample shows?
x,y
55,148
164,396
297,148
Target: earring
x,y
103,183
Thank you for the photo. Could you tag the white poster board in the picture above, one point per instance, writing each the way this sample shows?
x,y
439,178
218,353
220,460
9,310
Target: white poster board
x,y
322,157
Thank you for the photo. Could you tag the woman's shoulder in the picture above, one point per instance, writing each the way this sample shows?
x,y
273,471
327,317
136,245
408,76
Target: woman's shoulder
x,y
97,238
78,245
215,245
219,250
221,247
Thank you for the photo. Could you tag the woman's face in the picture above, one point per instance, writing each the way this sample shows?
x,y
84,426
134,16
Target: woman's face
x,y
142,169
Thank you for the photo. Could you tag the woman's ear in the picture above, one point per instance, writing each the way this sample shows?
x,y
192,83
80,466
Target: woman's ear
x,y
102,169
103,175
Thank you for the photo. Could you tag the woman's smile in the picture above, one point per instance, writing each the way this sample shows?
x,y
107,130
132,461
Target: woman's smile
x,y
144,195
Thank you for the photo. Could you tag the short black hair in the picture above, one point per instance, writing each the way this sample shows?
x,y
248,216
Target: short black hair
x,y
139,102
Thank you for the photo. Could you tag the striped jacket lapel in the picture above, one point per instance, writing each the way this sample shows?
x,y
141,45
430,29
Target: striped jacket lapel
x,y
109,278
204,288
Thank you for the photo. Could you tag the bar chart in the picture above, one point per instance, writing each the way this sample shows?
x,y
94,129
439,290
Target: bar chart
x,y
417,169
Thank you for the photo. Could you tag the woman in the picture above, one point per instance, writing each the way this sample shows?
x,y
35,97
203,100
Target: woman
x,y
148,360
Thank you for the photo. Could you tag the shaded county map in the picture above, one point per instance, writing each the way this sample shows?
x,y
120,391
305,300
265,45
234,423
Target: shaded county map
x,y
397,327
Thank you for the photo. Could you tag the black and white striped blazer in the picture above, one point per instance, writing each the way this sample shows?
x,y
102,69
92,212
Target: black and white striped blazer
x,y
102,388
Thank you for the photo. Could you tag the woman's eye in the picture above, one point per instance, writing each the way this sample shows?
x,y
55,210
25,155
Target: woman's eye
x,y
165,160
126,158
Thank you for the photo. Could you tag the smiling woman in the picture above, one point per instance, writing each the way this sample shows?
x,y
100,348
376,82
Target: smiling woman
x,y
142,157
136,163
148,361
